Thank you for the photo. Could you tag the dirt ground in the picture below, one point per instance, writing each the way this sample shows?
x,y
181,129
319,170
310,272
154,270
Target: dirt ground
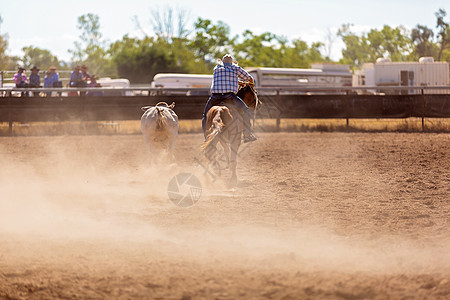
x,y
314,216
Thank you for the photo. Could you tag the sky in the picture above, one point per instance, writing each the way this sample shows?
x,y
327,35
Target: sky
x,y
53,25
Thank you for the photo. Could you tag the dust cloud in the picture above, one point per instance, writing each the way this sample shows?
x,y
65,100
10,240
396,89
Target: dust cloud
x,y
81,195
68,197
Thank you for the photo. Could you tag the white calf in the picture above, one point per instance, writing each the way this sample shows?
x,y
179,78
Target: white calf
x,y
159,125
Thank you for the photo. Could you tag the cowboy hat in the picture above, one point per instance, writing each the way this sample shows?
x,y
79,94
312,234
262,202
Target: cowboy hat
x,y
227,59
34,68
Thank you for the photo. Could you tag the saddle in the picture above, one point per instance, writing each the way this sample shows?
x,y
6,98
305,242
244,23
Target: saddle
x,y
221,101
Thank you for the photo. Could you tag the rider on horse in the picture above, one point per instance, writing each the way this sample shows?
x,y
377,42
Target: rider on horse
x,y
225,85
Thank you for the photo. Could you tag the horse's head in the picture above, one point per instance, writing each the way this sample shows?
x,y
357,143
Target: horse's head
x,y
249,95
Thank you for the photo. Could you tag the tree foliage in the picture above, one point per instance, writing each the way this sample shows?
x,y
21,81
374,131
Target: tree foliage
x,y
394,43
398,43
140,59
6,61
422,37
34,56
357,50
176,47
444,31
210,41
91,49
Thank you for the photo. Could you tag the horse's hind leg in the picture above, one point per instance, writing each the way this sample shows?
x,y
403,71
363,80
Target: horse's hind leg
x,y
226,151
233,161
150,147
171,148
171,152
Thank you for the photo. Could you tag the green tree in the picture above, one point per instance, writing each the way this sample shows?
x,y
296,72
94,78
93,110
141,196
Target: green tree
x,y
140,59
422,37
210,42
34,56
4,59
390,42
6,62
297,56
357,50
270,50
444,31
90,50
394,43
257,50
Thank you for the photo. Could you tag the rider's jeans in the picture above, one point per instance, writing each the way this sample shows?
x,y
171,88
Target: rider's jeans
x,y
216,98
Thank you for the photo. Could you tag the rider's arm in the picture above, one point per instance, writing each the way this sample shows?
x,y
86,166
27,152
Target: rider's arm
x,y
244,75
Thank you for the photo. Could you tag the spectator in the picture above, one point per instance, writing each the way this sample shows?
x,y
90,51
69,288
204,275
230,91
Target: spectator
x,y
76,78
47,79
85,75
20,79
52,78
35,79
94,83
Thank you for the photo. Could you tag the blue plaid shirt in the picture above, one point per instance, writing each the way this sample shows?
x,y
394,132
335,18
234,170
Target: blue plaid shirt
x,y
225,78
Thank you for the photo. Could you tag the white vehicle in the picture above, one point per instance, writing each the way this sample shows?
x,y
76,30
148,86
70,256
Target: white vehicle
x,y
320,75
118,84
426,72
183,81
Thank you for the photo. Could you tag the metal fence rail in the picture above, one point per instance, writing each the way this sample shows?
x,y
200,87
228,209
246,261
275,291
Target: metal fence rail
x,y
263,90
277,104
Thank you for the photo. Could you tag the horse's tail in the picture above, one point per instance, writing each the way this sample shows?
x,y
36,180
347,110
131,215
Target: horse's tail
x,y
216,126
161,122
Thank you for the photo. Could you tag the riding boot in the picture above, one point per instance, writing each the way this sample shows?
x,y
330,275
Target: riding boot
x,y
248,133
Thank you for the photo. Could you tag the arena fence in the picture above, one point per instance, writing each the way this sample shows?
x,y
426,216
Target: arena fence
x,y
56,105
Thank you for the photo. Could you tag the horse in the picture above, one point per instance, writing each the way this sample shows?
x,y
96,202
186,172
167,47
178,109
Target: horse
x,y
159,125
224,124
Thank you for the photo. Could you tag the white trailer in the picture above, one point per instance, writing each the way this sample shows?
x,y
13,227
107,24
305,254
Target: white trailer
x,y
119,84
385,73
320,75
174,80
185,82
